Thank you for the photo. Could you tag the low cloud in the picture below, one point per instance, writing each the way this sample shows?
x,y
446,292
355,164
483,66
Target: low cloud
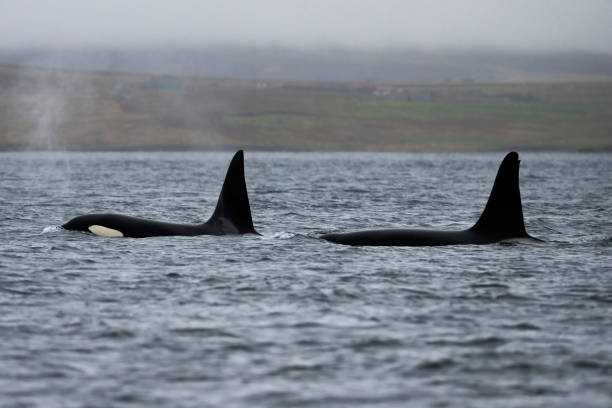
x,y
549,25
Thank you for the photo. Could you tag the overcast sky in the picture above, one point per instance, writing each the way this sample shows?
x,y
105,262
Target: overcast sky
x,y
556,25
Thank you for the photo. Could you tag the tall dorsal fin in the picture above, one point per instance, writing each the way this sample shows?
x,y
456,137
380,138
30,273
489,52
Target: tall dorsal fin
x,y
503,214
233,204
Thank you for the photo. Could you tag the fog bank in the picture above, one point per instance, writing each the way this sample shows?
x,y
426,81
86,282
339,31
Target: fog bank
x,y
544,25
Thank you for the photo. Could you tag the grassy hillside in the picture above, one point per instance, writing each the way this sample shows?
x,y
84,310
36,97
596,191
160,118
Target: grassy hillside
x,y
96,110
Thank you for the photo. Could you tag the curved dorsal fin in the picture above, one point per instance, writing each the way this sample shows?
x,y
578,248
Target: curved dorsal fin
x,y
233,204
503,214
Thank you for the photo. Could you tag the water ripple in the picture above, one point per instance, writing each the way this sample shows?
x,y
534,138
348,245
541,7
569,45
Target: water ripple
x,y
287,319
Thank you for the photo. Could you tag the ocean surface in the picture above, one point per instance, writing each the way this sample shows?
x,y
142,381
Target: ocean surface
x,y
287,319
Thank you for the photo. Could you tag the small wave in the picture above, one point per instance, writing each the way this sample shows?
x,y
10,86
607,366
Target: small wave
x,y
284,235
591,365
115,334
16,291
491,296
296,368
203,331
185,378
50,228
375,343
127,397
521,366
356,190
522,326
489,285
439,364
540,223
491,341
540,390
420,293
521,241
62,369
601,298
585,240
306,325
510,296
593,240
605,241
278,235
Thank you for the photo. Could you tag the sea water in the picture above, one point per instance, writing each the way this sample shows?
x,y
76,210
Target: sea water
x,y
286,319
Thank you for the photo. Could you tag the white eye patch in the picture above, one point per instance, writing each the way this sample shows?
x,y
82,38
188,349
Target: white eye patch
x,y
104,232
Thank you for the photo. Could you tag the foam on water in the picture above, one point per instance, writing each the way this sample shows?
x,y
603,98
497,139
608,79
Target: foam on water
x,y
51,228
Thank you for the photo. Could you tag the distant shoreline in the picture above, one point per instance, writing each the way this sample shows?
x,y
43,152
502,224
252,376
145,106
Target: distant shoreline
x,y
229,149
53,109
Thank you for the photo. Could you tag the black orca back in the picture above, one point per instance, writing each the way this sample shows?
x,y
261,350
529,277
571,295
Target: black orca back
x,y
503,214
502,219
232,215
233,204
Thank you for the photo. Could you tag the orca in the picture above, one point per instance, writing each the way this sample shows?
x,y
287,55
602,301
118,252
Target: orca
x,y
231,216
501,220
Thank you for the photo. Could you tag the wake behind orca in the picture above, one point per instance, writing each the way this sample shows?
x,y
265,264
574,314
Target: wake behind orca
x,y
501,220
231,216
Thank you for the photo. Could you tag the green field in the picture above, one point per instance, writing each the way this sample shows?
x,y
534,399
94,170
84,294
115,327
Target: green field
x,y
42,109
